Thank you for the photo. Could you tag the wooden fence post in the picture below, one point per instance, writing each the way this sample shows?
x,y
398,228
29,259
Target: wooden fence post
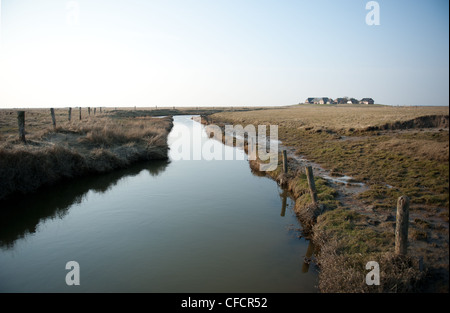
x,y
21,121
95,109
401,227
70,114
80,113
285,165
100,109
312,184
52,112
89,111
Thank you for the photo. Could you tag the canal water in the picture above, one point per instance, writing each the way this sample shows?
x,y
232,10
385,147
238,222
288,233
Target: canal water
x,y
167,226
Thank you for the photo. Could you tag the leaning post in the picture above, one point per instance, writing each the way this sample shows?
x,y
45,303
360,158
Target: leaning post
x,y
311,184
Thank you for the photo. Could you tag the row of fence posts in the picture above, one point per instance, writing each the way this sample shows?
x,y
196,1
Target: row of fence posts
x,y
21,120
402,219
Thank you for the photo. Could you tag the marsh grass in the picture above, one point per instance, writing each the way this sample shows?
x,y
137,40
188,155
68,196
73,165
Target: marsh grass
x,y
347,244
112,133
96,144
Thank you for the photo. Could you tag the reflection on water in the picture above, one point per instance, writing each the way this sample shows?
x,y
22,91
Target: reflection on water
x,y
284,196
308,257
20,216
178,226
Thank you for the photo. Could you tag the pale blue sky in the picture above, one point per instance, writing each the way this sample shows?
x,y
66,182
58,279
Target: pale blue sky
x,y
221,52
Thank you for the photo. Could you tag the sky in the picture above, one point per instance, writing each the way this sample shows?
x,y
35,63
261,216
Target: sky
x,y
58,53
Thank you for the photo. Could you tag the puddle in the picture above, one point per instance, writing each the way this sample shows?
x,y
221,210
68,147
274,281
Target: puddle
x,y
346,180
345,185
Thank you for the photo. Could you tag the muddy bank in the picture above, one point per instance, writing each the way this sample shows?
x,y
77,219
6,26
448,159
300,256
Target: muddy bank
x,y
65,154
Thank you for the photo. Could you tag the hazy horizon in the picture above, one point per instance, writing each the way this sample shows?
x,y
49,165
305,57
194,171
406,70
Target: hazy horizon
x,y
178,107
220,53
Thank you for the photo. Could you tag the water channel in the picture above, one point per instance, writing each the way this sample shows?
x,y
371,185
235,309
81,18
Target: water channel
x,y
162,226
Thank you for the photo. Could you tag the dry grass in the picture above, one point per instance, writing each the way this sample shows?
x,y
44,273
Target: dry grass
x,y
427,149
112,132
345,273
332,117
96,144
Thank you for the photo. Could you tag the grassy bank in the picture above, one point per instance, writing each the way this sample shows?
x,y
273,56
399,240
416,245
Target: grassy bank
x,y
394,151
346,239
95,144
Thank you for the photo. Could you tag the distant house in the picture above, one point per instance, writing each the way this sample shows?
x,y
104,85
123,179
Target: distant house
x,y
367,101
323,100
319,100
341,100
345,100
